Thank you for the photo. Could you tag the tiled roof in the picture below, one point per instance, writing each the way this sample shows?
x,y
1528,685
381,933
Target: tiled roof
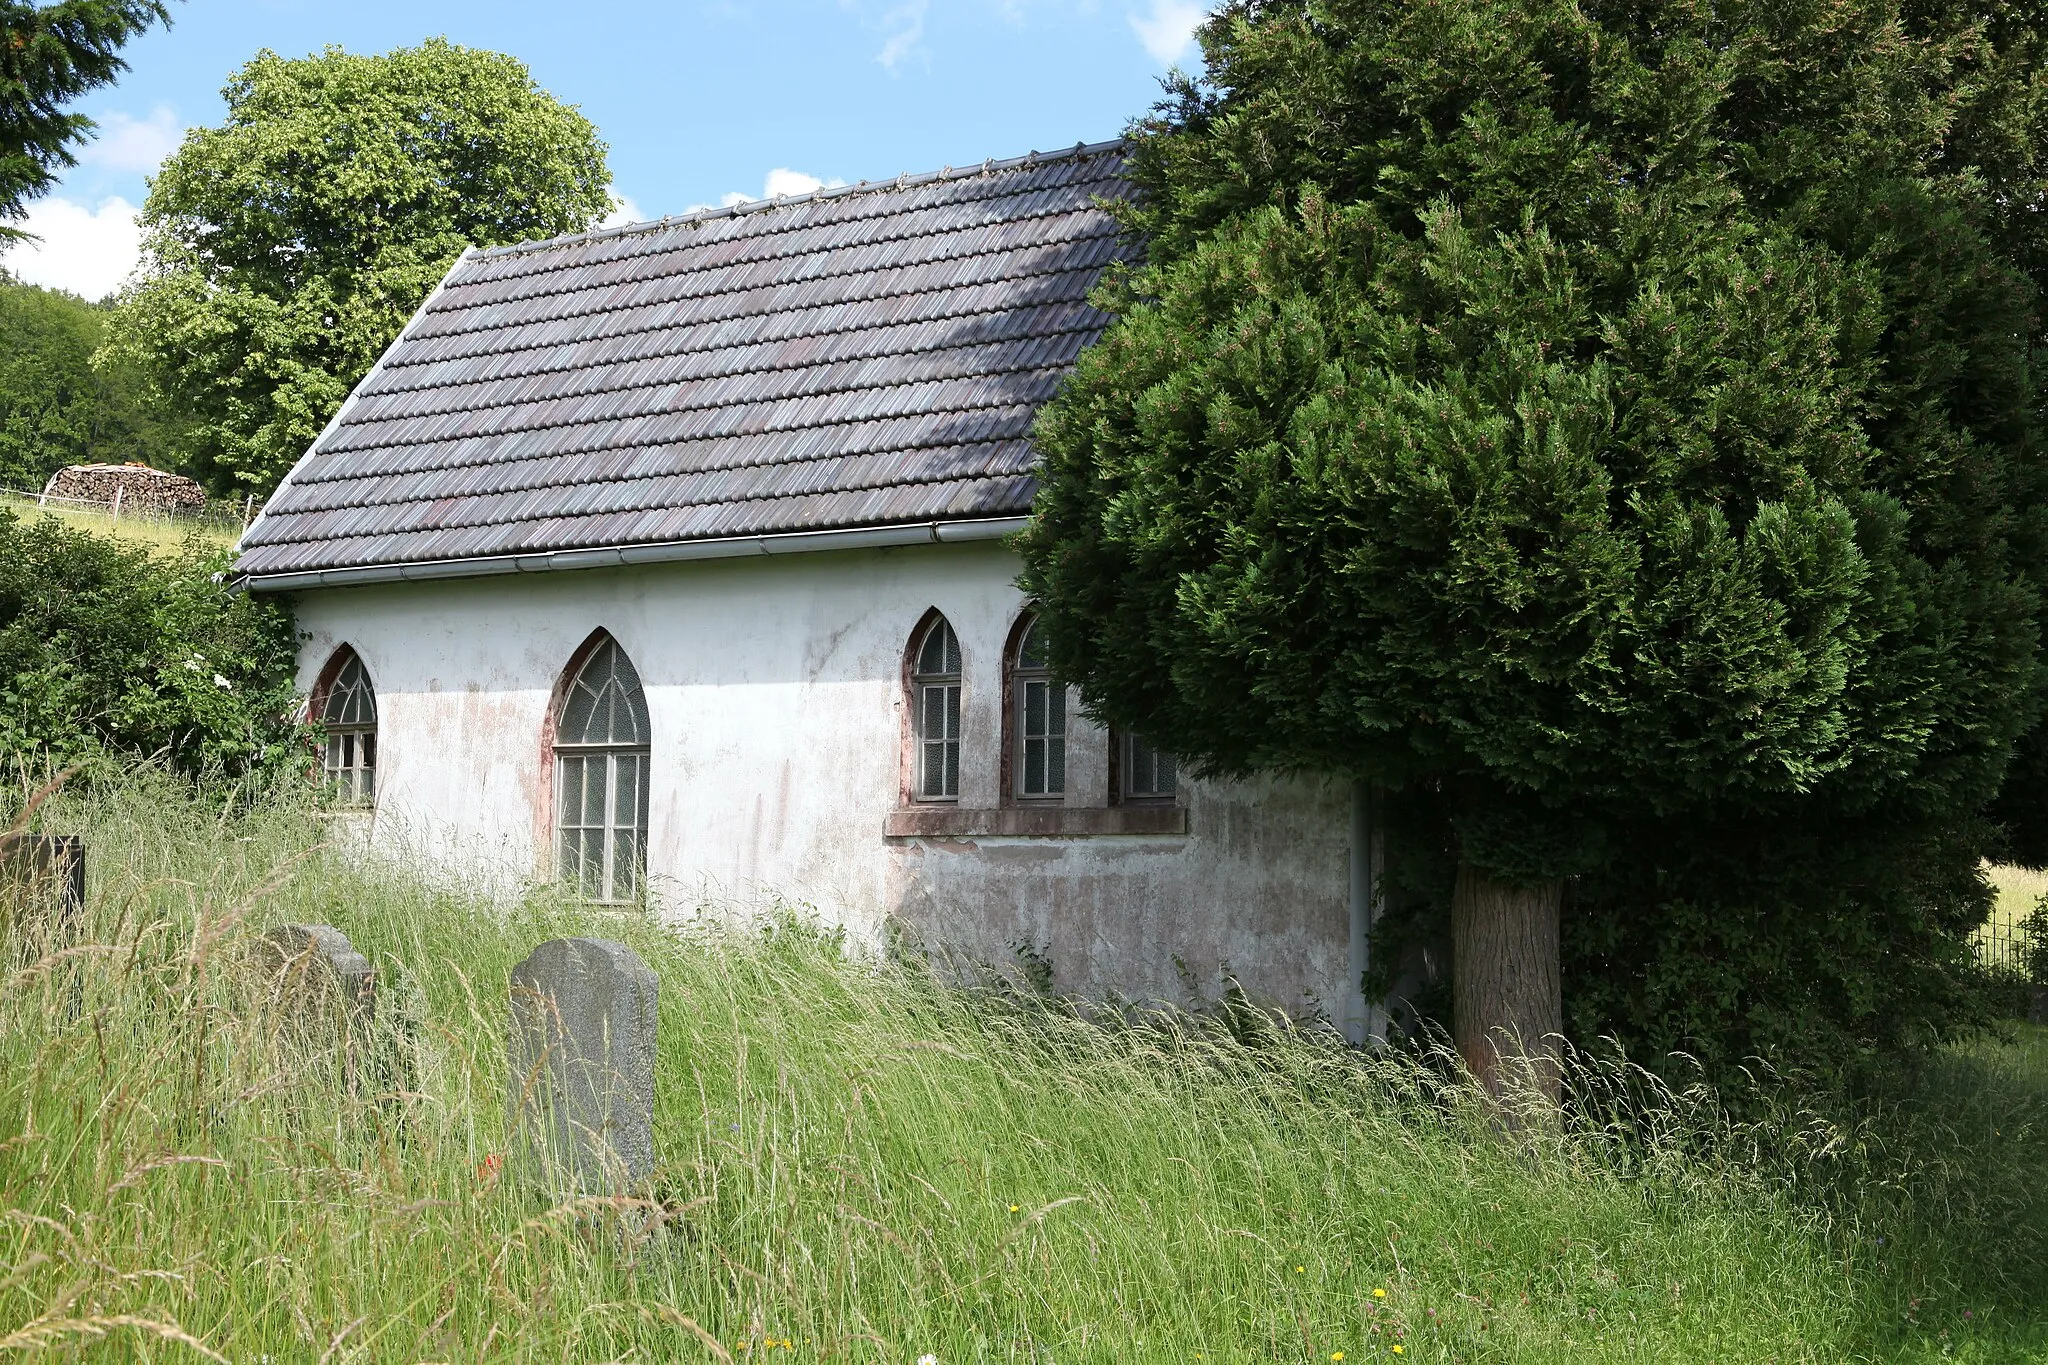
x,y
864,357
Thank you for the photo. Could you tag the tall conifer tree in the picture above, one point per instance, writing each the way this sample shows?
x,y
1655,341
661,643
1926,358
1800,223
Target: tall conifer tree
x,y
1612,421
50,55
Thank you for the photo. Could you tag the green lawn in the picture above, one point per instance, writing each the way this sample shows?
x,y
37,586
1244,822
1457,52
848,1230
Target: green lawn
x,y
860,1163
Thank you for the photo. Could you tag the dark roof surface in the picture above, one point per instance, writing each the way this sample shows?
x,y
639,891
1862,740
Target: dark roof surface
x,y
864,357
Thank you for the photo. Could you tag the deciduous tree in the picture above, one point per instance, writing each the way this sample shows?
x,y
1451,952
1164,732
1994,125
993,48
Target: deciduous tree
x,y
56,406
285,248
1612,421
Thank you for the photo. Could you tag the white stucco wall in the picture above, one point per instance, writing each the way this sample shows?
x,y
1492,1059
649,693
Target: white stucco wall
x,y
774,685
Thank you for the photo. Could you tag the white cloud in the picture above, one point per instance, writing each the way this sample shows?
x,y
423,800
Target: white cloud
x,y
88,251
780,181
126,143
904,24
624,211
1169,30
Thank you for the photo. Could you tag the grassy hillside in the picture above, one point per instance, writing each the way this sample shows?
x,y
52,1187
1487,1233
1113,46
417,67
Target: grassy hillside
x,y
163,538
859,1163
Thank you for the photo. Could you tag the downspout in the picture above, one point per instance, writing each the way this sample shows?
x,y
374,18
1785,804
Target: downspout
x,y
1364,1022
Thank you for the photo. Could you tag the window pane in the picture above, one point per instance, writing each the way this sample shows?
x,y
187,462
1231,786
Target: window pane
x,y
1055,766
625,867
1034,767
1031,649
933,761
938,654
1034,708
369,748
626,792
952,768
1149,771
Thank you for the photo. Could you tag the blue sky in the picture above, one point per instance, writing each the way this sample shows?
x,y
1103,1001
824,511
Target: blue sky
x,y
700,102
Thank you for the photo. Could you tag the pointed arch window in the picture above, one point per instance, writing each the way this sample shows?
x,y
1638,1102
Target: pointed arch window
x,y
601,779
1039,722
348,715
935,703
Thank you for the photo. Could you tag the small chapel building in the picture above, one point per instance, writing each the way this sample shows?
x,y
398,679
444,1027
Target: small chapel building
x,y
669,561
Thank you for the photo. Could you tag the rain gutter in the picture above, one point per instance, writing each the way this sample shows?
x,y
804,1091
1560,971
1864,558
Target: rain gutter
x,y
667,552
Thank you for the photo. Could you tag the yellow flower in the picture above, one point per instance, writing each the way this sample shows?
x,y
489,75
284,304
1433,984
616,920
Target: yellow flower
x,y
1379,1293
1299,1271
1013,1208
1336,1355
1399,1349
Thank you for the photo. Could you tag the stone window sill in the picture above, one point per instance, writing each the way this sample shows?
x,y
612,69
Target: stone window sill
x,y
1034,822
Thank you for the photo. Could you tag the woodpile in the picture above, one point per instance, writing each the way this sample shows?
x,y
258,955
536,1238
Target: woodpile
x,y
139,488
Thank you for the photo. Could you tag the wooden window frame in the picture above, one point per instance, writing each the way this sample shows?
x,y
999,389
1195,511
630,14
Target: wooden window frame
x,y
1015,681
1120,741
355,740
914,741
557,750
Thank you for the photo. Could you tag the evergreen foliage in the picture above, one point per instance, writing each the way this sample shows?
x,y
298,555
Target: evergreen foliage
x,y
1612,425
56,408
104,648
50,54
285,249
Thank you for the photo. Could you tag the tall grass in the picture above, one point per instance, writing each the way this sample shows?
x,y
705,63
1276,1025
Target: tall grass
x,y
859,1161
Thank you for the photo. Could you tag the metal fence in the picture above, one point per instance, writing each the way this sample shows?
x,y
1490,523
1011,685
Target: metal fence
x,y
2001,947
228,517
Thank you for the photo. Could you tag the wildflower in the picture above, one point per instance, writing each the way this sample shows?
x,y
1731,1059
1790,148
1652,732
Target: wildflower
x,y
927,1360
1298,1270
1336,1355
1399,1349
1013,1208
1379,1293
222,683
488,1169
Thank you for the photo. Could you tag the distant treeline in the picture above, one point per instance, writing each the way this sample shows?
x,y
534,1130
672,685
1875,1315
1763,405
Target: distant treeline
x,y
56,406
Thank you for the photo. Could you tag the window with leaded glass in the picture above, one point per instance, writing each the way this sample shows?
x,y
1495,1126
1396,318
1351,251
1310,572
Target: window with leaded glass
x,y
935,699
1039,763
348,716
601,751
1149,772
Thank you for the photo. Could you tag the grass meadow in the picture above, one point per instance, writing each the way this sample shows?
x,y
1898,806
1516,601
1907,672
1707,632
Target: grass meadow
x,y
163,538
859,1161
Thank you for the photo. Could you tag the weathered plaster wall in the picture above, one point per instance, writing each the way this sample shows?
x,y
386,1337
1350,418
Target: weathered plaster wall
x,y
774,686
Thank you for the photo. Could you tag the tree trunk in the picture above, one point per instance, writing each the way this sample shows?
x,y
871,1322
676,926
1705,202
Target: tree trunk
x,y
1507,1000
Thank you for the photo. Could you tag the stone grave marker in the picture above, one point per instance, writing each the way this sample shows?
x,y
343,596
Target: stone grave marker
x,y
582,1062
316,973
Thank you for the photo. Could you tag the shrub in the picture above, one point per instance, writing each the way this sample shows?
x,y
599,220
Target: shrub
x,y
103,647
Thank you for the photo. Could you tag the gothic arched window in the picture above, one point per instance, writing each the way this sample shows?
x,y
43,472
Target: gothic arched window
x,y
1038,723
601,751
935,709
347,706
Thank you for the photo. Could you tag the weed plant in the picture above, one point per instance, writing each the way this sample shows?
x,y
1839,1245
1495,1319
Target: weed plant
x,y
860,1160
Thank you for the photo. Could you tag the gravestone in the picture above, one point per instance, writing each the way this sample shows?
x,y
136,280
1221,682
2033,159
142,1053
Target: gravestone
x,y
42,876
315,972
582,1062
